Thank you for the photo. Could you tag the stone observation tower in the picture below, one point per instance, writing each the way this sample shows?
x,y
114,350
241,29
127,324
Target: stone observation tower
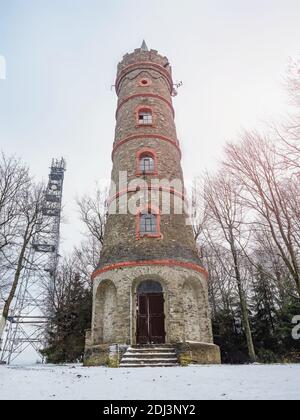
x,y
150,290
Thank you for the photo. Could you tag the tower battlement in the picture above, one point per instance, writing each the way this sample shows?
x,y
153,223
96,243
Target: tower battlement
x,y
144,54
140,59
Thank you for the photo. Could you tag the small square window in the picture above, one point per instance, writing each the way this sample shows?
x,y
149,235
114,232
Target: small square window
x,y
145,118
148,223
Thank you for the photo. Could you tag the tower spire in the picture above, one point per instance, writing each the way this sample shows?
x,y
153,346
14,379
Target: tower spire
x,y
144,46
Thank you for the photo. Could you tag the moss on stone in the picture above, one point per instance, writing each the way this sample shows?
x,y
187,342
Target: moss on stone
x,y
94,360
113,362
185,360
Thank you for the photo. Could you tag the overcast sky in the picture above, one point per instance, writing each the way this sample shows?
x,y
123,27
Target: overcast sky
x,y
61,60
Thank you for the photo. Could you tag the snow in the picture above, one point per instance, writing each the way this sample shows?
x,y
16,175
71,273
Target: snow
x,y
48,382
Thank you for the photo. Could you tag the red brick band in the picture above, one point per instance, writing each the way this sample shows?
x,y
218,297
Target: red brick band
x,y
150,188
145,136
144,65
169,263
145,95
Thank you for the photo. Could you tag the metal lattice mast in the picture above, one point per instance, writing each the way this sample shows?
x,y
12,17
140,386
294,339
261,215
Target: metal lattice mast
x,y
29,316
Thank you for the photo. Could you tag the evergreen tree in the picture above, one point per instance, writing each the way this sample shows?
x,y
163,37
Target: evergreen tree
x,y
265,316
71,317
229,335
289,347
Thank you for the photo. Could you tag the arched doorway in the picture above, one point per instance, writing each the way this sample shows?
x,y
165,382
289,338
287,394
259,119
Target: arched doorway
x,y
150,313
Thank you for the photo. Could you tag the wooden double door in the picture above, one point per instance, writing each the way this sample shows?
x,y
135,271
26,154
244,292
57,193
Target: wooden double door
x,y
150,319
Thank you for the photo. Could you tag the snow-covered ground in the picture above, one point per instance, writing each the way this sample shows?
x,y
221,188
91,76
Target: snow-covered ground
x,y
195,382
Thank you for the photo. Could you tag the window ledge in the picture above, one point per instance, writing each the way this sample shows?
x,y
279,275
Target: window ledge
x,y
140,173
145,125
149,235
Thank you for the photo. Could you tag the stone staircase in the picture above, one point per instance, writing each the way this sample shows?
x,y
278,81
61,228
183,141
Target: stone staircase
x,y
160,355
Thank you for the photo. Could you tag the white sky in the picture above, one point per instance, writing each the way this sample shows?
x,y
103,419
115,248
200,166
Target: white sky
x,y
61,60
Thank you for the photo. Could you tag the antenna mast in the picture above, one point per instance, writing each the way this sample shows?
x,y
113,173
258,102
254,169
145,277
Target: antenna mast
x,y
28,317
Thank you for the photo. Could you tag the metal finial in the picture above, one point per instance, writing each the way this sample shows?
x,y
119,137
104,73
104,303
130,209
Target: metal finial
x,y
144,46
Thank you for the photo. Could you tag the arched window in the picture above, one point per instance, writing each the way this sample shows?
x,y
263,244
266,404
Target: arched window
x,y
145,117
146,162
148,224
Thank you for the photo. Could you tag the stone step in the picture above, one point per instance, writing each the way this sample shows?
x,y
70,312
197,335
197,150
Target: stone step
x,y
151,361
151,353
153,346
150,356
127,366
152,350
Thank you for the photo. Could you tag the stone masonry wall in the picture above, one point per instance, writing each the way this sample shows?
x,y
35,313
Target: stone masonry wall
x,y
170,256
120,241
179,327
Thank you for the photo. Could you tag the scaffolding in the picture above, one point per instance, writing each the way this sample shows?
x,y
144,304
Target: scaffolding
x,y
29,315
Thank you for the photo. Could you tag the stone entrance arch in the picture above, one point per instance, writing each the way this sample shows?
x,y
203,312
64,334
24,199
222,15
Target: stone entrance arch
x,y
149,286
105,313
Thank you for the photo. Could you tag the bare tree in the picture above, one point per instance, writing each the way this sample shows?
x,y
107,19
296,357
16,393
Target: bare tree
x,y
93,212
30,223
227,221
264,257
288,133
269,191
87,256
197,213
293,80
14,180
221,286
